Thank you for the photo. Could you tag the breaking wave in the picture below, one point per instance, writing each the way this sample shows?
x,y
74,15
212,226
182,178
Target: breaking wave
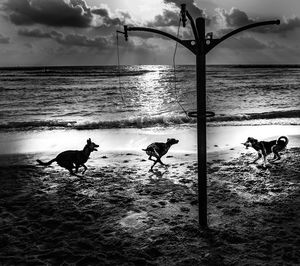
x,y
291,117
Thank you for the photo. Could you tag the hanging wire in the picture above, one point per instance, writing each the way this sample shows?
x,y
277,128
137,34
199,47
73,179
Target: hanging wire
x,y
174,72
119,71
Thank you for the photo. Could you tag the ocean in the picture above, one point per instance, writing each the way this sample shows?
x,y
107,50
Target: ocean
x,y
142,96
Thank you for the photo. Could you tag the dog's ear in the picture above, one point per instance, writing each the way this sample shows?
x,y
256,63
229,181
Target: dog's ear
x,y
168,140
89,141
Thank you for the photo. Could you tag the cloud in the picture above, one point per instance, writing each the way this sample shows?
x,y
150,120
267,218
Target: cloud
x,y
190,6
61,13
74,13
70,39
107,18
236,18
168,18
244,43
81,40
288,24
35,33
3,39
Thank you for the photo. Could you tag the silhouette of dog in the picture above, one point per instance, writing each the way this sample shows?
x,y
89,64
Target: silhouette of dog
x,y
159,149
73,158
264,148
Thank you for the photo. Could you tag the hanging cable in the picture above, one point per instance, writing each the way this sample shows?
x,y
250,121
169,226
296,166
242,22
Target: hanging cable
x,y
174,72
119,71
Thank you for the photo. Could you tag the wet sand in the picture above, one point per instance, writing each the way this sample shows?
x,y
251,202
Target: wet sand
x,y
119,213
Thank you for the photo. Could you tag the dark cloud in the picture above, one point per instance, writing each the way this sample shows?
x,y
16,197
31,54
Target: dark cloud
x,y
69,39
3,39
235,17
171,17
288,25
108,19
103,12
59,13
49,12
168,18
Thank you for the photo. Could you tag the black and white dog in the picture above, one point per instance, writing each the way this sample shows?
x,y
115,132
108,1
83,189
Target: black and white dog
x,y
158,150
264,148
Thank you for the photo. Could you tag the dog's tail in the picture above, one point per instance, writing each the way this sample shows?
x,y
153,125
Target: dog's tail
x,y
47,163
283,140
149,149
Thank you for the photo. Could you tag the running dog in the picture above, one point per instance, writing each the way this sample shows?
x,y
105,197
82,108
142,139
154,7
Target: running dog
x,y
73,158
264,148
158,150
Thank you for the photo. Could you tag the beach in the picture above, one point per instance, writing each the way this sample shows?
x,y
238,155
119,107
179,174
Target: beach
x,y
119,213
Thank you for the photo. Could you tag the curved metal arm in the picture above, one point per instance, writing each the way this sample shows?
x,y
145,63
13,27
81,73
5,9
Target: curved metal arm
x,y
217,41
186,44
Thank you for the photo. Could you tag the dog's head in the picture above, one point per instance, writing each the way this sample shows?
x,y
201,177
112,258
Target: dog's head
x,y
91,145
172,141
250,142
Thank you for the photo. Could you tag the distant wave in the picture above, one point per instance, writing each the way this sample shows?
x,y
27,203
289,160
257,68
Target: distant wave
x,y
159,121
252,116
25,73
138,122
27,125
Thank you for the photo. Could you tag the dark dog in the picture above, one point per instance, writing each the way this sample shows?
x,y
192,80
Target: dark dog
x,y
264,148
158,150
74,158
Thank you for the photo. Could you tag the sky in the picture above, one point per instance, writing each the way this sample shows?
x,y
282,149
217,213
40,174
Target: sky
x,y
83,32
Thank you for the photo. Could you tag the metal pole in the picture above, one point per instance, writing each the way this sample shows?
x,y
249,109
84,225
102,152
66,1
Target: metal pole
x,y
201,122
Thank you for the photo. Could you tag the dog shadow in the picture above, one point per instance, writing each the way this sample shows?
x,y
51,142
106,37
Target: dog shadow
x,y
157,173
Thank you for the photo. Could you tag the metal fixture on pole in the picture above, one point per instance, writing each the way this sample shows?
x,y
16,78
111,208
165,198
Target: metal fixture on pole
x,y
200,46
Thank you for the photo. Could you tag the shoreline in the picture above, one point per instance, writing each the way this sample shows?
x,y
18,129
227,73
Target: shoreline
x,y
219,138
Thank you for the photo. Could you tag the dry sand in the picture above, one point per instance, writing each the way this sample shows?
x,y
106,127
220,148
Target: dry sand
x,y
121,214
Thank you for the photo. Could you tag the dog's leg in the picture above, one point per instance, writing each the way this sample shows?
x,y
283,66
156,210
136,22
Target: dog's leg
x,y
276,150
265,161
161,162
259,156
155,162
71,171
85,168
273,149
150,158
